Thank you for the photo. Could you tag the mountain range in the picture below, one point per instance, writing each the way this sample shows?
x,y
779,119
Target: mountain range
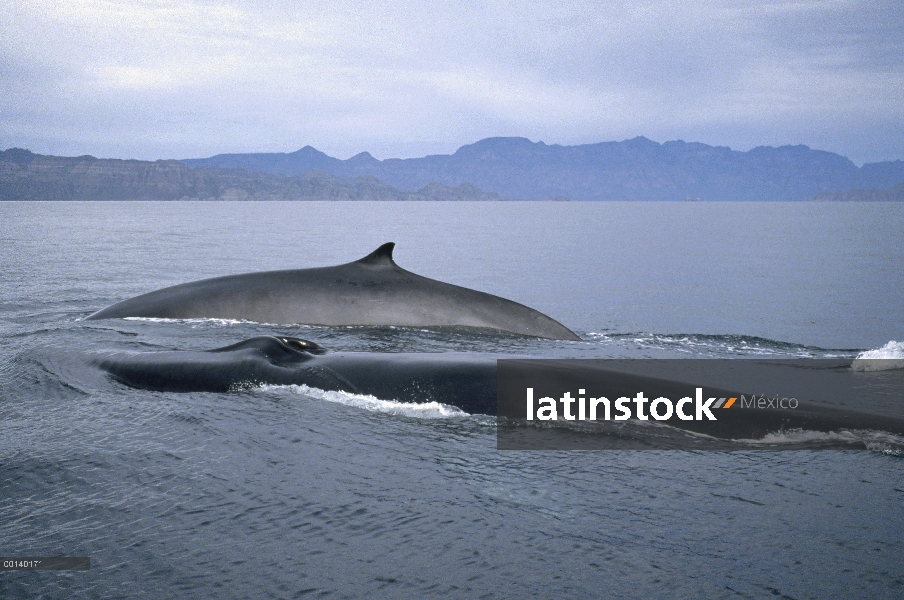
x,y
636,169
28,176
491,169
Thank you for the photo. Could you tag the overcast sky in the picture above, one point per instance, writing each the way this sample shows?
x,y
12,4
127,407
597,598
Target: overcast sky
x,y
134,79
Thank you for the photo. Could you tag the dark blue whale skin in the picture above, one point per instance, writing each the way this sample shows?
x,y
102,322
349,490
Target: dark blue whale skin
x,y
471,382
461,380
372,291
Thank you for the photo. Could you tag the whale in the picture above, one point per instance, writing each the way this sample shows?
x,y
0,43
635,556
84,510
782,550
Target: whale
x,y
833,397
462,380
372,291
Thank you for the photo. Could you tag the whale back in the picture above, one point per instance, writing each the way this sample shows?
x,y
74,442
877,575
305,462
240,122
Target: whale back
x,y
371,291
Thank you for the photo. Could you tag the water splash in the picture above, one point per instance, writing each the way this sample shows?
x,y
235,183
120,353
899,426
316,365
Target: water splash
x,y
423,410
888,357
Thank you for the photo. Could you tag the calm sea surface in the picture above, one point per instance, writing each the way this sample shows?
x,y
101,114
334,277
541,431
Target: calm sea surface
x,y
277,493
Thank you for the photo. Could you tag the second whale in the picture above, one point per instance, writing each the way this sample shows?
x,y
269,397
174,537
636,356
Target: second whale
x,y
372,291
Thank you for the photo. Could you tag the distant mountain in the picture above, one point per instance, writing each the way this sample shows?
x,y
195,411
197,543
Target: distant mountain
x,y
511,168
636,169
28,176
895,194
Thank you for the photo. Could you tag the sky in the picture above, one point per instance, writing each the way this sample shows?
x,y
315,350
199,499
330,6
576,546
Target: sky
x,y
186,79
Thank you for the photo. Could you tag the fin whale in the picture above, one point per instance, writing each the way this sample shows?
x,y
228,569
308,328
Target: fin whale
x,y
461,380
371,291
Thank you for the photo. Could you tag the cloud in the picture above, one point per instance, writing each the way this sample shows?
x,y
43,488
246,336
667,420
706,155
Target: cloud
x,y
150,80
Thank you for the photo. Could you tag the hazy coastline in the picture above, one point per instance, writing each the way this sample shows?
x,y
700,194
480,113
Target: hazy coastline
x,y
491,169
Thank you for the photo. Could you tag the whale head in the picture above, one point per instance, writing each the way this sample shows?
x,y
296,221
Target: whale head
x,y
277,349
300,345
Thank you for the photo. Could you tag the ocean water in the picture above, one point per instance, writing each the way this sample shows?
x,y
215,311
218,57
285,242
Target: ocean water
x,y
284,492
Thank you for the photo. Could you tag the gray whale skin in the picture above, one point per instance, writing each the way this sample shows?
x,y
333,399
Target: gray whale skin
x,y
371,291
462,380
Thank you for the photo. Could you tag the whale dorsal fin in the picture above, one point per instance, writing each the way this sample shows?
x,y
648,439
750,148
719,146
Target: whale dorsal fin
x,y
380,256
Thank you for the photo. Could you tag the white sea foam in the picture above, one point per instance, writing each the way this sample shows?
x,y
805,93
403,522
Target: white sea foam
x,y
423,410
888,357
